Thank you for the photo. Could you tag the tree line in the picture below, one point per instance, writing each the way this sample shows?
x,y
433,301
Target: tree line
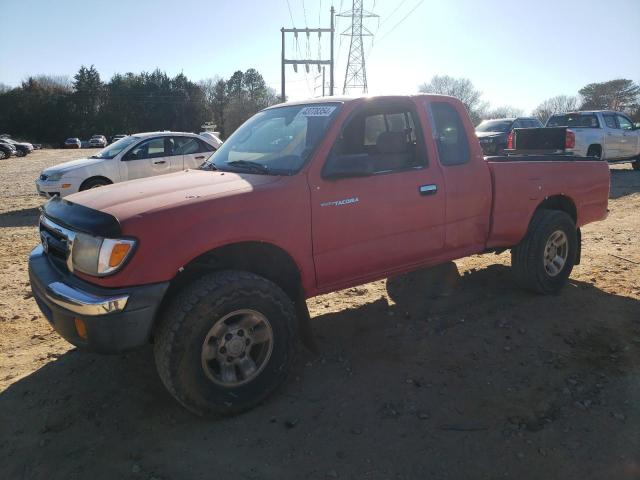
x,y
620,94
49,109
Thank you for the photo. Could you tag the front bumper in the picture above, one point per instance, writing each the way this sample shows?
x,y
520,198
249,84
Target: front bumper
x,y
115,319
52,189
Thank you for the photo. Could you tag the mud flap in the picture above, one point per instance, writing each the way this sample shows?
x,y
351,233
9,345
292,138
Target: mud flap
x,y
304,325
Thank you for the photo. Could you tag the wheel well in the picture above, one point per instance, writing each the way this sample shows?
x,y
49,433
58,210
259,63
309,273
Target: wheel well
x,y
562,203
97,177
596,146
264,259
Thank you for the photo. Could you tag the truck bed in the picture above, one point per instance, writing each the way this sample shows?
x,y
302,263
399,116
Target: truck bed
x,y
520,183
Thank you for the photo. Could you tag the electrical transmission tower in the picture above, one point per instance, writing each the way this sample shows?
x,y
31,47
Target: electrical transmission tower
x,y
355,78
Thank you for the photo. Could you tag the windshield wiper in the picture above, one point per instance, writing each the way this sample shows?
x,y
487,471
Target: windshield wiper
x,y
249,165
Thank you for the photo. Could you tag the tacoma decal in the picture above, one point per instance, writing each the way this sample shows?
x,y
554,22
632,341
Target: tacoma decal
x,y
338,203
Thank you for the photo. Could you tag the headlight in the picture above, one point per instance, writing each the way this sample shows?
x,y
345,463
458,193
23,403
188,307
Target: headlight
x,y
55,176
99,256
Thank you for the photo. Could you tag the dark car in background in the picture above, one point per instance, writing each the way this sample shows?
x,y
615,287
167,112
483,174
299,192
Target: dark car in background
x,y
6,150
22,148
494,134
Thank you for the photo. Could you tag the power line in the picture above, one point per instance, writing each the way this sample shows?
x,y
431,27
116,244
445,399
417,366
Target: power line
x,y
403,19
293,24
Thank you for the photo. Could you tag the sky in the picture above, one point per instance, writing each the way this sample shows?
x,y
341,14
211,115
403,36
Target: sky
x,y
516,53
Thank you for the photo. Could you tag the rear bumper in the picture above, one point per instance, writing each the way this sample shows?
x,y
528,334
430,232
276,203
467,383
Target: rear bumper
x,y
115,319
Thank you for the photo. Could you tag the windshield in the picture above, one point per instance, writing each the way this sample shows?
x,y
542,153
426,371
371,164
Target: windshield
x,y
115,148
276,141
494,126
573,120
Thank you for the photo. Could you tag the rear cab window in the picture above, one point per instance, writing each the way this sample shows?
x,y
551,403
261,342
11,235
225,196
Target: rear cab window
x,y
449,134
578,120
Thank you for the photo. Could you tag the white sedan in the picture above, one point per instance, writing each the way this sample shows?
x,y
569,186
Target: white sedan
x,y
135,156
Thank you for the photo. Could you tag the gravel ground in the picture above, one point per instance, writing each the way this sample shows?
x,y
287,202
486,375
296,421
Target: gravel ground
x,y
416,377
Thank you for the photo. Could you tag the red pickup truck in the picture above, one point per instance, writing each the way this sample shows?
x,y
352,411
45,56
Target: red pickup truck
x,y
214,265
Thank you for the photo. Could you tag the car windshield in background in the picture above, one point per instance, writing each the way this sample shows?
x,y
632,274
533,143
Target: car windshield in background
x,y
501,126
275,141
578,120
115,148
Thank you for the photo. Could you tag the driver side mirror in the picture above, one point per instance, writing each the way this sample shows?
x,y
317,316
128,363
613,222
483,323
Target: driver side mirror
x,y
346,166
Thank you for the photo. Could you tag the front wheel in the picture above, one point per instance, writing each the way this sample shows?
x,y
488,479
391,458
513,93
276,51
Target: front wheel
x,y
3,155
543,260
20,153
226,342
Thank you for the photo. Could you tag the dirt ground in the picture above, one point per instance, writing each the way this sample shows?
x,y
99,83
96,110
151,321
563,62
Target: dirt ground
x,y
416,378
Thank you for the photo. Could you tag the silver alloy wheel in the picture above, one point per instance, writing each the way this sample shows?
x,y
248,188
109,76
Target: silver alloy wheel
x,y
237,348
2,155
556,252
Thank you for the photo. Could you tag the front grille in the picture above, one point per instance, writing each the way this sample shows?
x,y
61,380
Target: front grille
x,y
55,242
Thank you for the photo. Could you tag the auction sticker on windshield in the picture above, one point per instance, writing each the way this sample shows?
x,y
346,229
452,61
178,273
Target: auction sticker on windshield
x,y
319,111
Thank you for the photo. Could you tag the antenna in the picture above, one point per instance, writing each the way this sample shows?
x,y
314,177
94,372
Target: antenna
x,y
355,78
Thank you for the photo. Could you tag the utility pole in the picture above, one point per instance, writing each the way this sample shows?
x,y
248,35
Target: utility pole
x,y
355,78
284,61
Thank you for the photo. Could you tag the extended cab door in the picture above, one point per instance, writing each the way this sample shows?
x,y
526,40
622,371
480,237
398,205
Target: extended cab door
x,y
150,157
193,152
378,201
467,179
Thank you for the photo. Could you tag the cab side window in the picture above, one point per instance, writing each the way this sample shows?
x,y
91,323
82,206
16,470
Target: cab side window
x,y
610,121
386,137
449,134
625,123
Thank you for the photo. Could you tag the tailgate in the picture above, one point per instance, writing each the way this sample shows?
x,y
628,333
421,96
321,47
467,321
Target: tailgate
x,y
539,139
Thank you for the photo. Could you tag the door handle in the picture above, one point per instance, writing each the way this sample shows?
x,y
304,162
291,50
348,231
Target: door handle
x,y
199,157
159,163
428,189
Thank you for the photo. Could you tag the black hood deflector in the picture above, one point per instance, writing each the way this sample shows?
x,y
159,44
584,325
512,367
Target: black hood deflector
x,y
80,218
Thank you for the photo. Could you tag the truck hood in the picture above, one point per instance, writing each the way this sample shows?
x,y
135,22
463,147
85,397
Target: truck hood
x,y
73,164
138,197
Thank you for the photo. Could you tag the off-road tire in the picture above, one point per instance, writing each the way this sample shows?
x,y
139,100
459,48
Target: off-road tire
x,y
93,183
184,325
527,258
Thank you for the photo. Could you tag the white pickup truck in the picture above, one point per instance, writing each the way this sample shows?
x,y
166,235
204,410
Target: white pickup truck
x,y
604,134
134,156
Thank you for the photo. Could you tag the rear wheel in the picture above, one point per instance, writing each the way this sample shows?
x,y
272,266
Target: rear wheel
x,y
226,342
543,260
595,151
20,153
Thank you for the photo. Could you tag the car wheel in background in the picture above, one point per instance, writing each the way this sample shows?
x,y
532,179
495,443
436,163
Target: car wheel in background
x,y
226,342
20,153
94,183
3,155
543,260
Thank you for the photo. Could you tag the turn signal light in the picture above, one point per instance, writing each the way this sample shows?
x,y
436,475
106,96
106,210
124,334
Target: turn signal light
x,y
118,254
81,328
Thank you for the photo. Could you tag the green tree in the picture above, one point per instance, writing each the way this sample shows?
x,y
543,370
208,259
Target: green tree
x,y
620,94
